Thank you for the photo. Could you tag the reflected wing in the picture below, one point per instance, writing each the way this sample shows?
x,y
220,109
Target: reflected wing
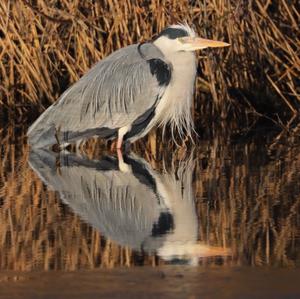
x,y
114,93
123,206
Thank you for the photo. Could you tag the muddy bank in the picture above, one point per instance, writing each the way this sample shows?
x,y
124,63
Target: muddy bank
x,y
163,282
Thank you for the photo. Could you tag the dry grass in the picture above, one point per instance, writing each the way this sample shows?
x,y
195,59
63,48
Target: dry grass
x,y
245,201
47,45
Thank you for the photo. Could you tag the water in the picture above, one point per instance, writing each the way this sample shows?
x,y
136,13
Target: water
x,y
220,218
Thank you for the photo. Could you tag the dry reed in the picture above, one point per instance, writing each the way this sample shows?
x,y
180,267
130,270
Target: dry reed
x,y
47,45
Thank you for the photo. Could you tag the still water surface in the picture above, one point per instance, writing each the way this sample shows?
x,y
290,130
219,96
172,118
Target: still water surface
x,y
209,215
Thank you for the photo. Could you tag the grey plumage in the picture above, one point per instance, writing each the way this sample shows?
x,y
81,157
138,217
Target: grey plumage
x,y
90,104
128,93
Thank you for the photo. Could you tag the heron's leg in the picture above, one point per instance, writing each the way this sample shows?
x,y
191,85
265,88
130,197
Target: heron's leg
x,y
121,132
122,165
120,140
120,156
119,143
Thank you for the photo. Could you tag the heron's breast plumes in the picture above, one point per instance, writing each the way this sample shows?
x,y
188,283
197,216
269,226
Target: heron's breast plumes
x,y
175,105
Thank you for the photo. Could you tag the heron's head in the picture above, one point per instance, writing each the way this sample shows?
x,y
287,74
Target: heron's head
x,y
181,37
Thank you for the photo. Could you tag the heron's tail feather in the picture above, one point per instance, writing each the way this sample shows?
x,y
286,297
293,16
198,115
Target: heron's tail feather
x,y
41,133
41,136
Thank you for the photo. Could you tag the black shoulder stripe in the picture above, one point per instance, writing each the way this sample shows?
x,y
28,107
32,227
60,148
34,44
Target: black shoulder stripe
x,y
161,70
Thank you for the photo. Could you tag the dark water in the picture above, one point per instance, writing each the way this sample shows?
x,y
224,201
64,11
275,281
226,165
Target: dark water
x,y
221,218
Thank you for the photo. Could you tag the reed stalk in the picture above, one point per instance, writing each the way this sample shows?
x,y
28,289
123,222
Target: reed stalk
x,y
45,46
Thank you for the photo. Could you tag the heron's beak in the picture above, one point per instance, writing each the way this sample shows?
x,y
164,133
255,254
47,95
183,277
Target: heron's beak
x,y
197,43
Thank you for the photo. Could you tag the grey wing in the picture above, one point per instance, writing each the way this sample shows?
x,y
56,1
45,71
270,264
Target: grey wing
x,y
114,93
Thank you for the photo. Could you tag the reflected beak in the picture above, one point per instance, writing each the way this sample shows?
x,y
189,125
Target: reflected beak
x,y
197,43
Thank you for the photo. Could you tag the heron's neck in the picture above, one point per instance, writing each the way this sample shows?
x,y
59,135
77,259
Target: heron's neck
x,y
175,106
183,68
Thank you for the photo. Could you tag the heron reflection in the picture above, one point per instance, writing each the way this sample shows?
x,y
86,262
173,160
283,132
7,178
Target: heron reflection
x,y
129,202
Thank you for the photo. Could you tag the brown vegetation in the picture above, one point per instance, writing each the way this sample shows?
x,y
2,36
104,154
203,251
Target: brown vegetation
x,y
47,45
247,200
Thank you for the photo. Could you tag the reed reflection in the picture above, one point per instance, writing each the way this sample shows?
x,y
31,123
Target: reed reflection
x,y
129,202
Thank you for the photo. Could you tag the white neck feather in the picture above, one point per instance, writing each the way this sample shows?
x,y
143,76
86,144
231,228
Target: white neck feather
x,y
175,105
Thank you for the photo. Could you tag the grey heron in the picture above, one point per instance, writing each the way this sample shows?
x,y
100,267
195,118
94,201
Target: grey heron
x,y
128,93
129,202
